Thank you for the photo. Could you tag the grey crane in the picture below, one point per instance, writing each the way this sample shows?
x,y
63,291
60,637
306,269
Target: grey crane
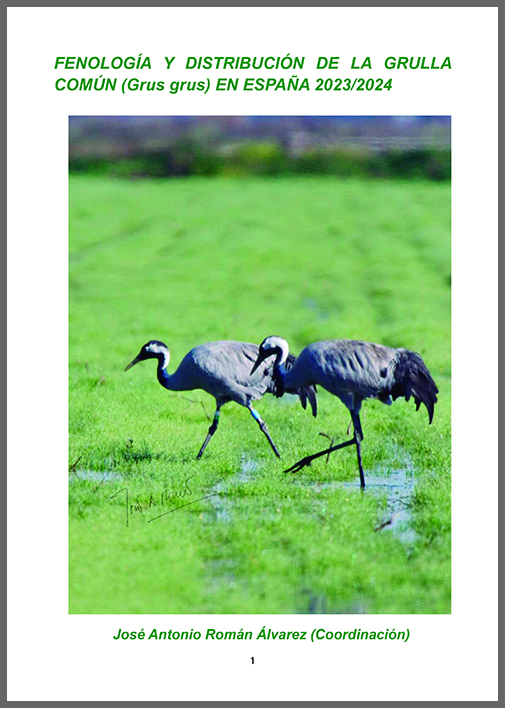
x,y
223,370
352,371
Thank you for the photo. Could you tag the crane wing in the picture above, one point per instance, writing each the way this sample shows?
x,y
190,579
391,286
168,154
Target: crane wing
x,y
219,366
356,370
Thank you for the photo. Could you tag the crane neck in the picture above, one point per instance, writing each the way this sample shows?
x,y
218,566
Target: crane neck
x,y
279,372
163,358
177,381
282,353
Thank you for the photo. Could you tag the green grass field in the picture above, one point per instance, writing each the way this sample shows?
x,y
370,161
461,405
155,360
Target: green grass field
x,y
194,260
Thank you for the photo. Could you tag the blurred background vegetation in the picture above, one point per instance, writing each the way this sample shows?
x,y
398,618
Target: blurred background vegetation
x,y
373,147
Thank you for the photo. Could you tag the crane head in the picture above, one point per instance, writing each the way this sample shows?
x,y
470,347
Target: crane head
x,y
272,346
154,349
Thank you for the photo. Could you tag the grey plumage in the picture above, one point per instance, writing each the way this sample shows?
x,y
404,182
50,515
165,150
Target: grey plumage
x,y
222,369
353,371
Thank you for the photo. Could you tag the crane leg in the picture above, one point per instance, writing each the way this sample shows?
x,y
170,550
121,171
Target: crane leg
x,y
356,440
358,436
264,429
211,432
307,460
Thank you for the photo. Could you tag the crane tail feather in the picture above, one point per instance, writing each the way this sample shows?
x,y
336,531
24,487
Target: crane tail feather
x,y
305,393
412,379
311,395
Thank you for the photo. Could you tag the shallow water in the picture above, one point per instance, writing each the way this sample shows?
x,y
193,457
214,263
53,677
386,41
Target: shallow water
x,y
396,485
221,570
317,604
221,503
399,488
94,476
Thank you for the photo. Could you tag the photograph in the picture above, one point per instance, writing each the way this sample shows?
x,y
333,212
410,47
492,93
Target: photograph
x,y
259,365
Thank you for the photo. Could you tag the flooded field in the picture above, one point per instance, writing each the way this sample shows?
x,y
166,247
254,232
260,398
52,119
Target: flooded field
x,y
189,261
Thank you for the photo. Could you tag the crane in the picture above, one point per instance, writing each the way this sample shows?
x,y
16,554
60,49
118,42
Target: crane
x,y
222,369
352,371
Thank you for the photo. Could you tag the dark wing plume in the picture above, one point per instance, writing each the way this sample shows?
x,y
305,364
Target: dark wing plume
x,y
305,393
412,378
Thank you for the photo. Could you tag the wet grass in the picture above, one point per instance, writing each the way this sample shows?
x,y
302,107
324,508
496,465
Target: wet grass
x,y
189,261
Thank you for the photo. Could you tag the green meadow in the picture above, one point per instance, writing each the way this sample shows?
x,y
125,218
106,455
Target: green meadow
x,y
188,261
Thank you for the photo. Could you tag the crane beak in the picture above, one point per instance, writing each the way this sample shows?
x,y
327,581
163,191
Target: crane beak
x,y
261,357
132,363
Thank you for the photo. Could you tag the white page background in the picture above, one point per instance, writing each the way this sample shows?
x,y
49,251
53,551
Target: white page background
x,y
56,656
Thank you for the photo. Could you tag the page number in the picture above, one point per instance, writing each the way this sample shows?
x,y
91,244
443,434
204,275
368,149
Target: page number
x,y
252,659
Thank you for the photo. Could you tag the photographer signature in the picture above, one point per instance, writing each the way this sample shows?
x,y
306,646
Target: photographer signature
x,y
143,502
